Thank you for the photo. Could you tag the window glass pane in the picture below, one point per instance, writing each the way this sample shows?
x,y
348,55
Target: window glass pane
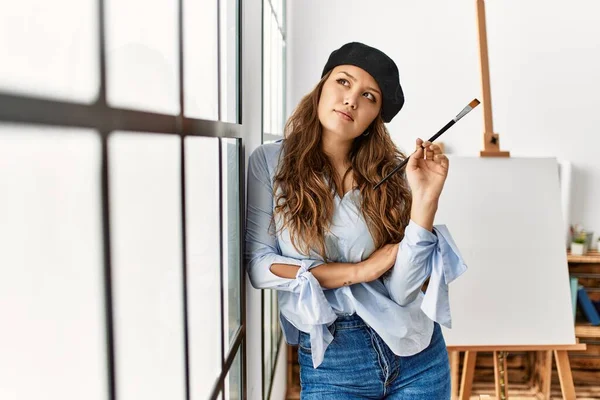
x,y
267,361
273,70
277,9
231,230
233,380
281,80
273,85
274,129
50,49
142,57
229,60
274,327
266,67
53,343
146,245
201,59
203,263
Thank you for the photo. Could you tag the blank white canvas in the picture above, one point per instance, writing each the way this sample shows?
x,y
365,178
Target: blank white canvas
x,y
505,216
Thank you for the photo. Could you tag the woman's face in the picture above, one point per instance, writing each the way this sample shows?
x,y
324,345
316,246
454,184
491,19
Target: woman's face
x,y
350,101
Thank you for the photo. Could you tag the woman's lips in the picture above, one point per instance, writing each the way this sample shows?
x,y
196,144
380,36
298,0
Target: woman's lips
x,y
344,115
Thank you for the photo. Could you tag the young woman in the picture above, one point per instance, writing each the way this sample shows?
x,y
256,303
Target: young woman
x,y
349,261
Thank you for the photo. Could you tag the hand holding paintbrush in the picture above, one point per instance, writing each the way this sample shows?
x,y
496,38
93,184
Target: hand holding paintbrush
x,y
421,147
426,172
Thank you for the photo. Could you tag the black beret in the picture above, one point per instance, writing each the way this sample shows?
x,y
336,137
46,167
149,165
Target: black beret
x,y
379,65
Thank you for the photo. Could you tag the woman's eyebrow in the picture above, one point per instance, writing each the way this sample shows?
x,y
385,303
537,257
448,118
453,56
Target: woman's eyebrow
x,y
354,79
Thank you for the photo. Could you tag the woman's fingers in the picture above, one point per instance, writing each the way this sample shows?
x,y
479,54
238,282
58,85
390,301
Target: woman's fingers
x,y
435,151
443,160
429,153
419,143
417,155
420,148
430,150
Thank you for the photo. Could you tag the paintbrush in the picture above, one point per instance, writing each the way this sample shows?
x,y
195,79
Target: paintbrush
x,y
461,114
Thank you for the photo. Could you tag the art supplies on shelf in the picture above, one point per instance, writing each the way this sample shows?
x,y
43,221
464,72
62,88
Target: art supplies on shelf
x,y
587,306
581,240
574,287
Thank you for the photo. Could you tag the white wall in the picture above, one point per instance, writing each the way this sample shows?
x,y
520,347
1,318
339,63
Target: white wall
x,y
544,58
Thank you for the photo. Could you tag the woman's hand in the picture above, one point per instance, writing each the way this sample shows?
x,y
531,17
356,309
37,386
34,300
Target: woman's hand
x,y
426,171
378,263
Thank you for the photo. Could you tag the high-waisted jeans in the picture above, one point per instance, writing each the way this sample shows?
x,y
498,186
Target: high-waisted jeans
x,y
359,365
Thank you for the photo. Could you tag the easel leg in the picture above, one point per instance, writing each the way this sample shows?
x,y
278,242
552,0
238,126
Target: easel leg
x,y
501,375
454,363
543,372
467,375
564,374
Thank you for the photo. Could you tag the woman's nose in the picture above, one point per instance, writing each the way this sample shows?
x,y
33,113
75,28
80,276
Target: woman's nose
x,y
350,101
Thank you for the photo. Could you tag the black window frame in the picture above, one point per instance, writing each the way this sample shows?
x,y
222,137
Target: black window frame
x,y
104,119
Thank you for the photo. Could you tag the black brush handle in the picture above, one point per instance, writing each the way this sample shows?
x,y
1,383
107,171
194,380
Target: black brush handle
x,y
405,161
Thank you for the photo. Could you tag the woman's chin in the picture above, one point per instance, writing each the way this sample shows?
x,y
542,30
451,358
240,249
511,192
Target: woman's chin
x,y
340,131
339,134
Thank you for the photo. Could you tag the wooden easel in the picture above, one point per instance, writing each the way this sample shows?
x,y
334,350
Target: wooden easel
x,y
491,140
543,367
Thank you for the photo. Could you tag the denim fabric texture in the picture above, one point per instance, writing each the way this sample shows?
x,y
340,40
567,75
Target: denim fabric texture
x,y
359,365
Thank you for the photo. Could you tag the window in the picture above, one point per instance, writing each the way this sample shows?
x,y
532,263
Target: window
x,y
273,121
47,53
201,62
204,295
121,149
274,47
142,62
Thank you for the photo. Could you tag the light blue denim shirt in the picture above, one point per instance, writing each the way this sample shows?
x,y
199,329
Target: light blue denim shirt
x,y
395,307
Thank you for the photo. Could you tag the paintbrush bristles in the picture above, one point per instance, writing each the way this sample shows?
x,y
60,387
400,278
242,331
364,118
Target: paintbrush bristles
x,y
467,109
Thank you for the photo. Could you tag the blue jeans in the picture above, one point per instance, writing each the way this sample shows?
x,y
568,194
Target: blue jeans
x,y
359,365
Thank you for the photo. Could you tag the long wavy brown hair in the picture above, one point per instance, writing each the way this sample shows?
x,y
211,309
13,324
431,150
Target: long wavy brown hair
x,y
307,181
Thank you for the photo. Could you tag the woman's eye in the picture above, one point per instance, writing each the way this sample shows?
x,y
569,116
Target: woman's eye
x,y
342,81
370,96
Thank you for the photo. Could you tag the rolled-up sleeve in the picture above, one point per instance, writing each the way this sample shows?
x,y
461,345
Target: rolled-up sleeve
x,y
261,243
446,265
413,264
306,306
423,254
